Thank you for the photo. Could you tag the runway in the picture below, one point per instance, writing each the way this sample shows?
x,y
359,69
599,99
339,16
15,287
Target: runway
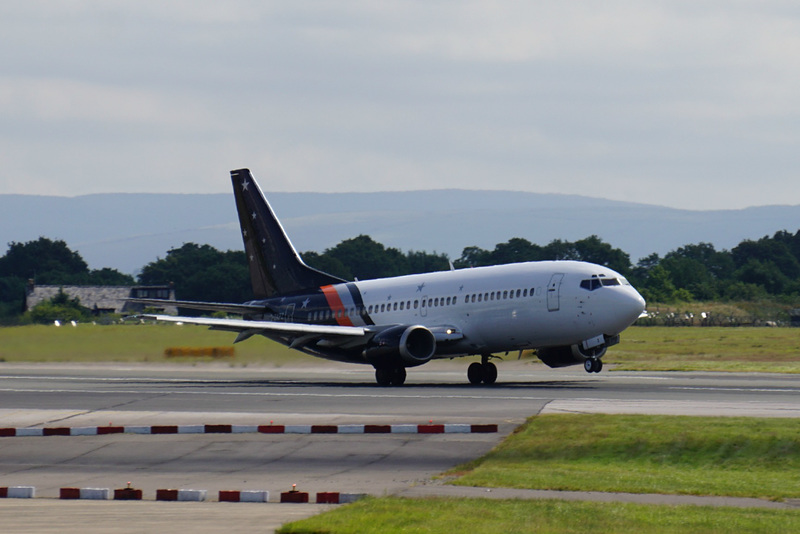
x,y
78,395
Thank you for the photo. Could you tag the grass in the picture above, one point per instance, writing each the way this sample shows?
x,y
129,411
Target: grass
x,y
742,349
388,515
89,343
744,457
615,453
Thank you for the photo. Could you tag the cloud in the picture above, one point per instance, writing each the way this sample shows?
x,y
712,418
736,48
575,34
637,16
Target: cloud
x,y
689,104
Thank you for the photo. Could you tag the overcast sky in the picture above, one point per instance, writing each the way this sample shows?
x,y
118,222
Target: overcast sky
x,y
689,104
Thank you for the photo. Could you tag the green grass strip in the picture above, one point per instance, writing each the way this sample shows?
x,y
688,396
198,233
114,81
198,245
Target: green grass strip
x,y
388,515
733,456
743,349
88,343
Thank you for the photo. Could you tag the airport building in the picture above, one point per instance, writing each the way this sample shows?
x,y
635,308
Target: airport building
x,y
102,299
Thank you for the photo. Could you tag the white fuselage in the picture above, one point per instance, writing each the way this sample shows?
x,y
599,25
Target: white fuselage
x,y
502,308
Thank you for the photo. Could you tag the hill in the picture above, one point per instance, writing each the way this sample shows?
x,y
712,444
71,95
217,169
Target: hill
x,y
126,231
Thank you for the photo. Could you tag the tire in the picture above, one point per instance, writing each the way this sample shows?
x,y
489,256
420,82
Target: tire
x,y
383,376
489,373
599,366
398,376
588,365
475,373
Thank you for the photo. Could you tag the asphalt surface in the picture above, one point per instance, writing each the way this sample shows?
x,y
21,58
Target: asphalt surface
x,y
78,395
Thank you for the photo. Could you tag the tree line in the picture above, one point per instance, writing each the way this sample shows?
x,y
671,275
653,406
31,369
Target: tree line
x,y
767,268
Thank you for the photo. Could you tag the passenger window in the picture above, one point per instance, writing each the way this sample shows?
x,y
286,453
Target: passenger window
x,y
505,295
416,304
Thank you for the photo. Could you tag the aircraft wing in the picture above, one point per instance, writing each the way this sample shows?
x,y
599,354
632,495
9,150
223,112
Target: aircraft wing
x,y
256,327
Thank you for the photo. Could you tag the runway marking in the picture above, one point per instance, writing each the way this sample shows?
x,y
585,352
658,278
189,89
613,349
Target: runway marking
x,y
278,380
271,394
756,390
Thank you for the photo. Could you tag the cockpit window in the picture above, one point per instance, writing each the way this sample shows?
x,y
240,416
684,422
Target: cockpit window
x,y
596,282
591,284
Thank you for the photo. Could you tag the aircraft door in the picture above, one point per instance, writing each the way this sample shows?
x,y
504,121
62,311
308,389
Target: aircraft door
x,y
553,292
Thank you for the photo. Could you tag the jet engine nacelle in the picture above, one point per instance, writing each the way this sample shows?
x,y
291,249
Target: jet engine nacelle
x,y
401,346
569,355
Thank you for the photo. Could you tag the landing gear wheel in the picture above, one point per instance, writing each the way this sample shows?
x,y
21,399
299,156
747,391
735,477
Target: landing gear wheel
x,y
485,372
593,365
383,377
398,376
489,373
475,373
388,376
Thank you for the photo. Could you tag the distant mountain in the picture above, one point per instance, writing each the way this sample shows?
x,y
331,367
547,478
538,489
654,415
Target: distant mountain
x,y
127,231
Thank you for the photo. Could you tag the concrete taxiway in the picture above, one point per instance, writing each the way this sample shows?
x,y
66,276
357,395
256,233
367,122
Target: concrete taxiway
x,y
77,395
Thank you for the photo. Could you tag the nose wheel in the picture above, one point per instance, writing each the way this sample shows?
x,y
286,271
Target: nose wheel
x,y
593,365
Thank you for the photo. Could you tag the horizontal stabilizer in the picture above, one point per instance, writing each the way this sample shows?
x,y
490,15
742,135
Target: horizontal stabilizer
x,y
240,309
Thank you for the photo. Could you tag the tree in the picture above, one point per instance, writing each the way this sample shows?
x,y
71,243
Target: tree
x,y
327,264
594,250
201,272
473,257
765,274
423,262
59,308
109,277
516,250
46,261
365,258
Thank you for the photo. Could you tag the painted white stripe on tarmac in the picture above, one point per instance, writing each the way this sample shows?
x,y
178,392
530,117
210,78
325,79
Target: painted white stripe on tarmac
x,y
660,407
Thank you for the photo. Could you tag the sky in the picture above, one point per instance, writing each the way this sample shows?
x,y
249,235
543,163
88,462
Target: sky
x,y
687,104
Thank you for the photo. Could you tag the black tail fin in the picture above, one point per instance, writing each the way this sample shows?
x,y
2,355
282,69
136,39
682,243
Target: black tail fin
x,y
275,266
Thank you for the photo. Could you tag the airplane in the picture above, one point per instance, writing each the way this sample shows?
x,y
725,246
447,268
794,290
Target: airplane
x,y
569,312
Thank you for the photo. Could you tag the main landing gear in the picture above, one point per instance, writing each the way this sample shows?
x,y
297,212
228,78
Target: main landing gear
x,y
593,365
390,376
485,371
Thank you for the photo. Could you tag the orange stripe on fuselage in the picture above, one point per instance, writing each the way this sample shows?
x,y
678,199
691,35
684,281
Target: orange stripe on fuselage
x,y
335,303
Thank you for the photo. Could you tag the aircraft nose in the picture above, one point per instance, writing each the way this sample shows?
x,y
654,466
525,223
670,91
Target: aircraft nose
x,y
633,305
